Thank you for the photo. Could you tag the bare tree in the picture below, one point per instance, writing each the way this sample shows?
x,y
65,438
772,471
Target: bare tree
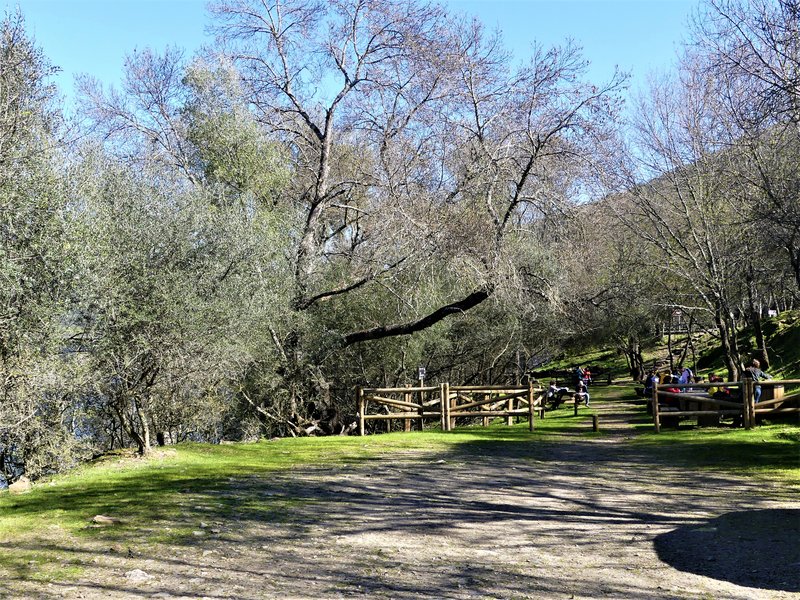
x,y
455,148
685,210
754,47
752,51
143,121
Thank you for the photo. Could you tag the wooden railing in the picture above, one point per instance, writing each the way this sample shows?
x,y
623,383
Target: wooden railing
x,y
777,402
446,403
695,401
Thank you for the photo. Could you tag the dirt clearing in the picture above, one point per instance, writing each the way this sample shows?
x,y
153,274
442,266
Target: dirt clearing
x,y
582,518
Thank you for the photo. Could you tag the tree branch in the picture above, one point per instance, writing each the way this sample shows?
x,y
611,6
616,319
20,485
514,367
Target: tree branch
x,y
439,314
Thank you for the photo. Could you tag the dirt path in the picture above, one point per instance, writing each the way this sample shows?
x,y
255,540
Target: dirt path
x,y
585,519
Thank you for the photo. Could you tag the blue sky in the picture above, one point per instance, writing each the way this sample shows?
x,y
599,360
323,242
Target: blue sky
x,y
93,36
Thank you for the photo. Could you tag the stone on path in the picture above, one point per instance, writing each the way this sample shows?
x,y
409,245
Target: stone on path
x,y
138,576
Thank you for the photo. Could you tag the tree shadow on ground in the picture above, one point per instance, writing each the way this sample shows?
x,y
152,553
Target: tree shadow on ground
x,y
753,548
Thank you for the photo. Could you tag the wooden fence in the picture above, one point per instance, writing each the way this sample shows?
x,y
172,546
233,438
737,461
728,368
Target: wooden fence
x,y
695,401
774,399
445,403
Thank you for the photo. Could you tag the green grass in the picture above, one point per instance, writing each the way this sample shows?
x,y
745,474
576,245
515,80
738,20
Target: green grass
x,y
783,333
771,450
606,359
783,344
158,489
767,450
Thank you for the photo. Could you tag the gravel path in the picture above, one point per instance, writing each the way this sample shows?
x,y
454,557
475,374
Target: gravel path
x,y
583,518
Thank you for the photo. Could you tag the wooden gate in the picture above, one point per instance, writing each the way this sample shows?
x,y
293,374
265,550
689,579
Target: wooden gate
x,y
406,403
447,403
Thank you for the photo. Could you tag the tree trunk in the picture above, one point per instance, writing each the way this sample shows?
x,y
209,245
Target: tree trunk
x,y
727,338
128,424
669,349
633,354
755,318
794,258
384,331
143,440
761,343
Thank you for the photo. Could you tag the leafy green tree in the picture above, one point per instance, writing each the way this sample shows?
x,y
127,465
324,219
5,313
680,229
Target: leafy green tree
x,y
35,273
167,277
231,146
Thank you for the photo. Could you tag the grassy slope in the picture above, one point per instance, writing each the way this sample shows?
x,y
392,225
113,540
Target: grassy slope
x,y
783,333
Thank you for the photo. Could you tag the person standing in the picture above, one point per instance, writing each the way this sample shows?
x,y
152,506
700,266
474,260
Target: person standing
x,y
755,374
650,381
578,377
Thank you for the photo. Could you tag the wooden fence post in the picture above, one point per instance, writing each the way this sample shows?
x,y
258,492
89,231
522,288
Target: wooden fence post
x,y
542,398
749,407
509,407
407,398
745,405
530,406
451,421
443,406
486,419
421,406
360,396
656,417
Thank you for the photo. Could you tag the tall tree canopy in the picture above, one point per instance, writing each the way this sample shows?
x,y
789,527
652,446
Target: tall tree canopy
x,y
338,192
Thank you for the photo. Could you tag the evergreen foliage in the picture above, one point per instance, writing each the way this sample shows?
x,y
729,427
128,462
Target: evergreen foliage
x,y
232,243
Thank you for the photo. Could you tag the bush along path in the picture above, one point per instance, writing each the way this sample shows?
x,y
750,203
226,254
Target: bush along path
x,y
477,513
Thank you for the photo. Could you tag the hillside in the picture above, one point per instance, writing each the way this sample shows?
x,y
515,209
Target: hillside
x,y
782,332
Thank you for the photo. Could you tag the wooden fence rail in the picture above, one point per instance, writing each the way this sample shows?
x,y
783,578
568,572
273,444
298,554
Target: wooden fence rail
x,y
448,403
775,400
695,401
